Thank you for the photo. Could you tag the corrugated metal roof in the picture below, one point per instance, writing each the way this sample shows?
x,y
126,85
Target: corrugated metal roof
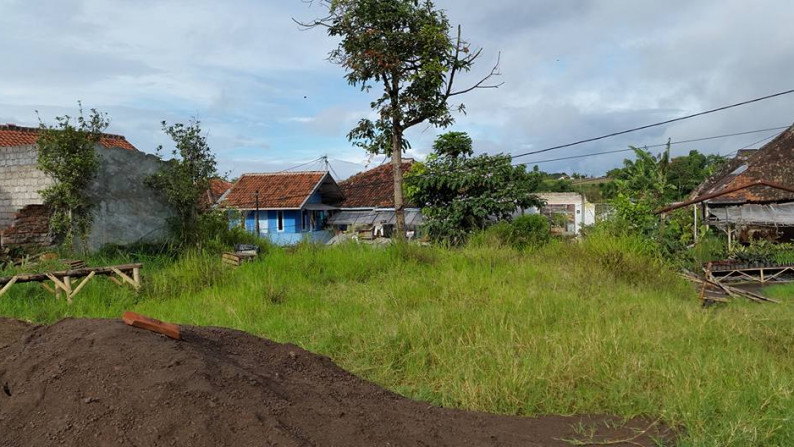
x,y
413,218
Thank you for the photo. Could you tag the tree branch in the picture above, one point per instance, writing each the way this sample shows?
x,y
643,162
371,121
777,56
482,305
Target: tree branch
x,y
482,82
454,66
323,21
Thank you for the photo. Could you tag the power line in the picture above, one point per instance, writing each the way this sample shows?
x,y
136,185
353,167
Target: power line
x,y
391,182
736,152
614,134
301,165
694,140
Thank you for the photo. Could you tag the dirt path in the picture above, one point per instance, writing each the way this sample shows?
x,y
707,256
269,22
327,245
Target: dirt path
x,y
99,382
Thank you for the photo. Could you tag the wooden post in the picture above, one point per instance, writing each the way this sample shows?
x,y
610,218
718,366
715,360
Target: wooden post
x,y
728,229
136,277
695,228
8,286
83,283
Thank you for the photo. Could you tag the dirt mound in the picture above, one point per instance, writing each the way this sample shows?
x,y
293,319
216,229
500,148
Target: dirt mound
x,y
11,331
99,382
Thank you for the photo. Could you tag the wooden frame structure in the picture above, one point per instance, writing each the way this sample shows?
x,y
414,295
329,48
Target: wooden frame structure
x,y
239,258
748,273
71,282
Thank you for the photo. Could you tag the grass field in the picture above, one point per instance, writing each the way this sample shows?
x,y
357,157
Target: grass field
x,y
593,327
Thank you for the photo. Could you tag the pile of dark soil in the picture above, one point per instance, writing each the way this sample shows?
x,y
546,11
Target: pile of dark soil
x,y
99,382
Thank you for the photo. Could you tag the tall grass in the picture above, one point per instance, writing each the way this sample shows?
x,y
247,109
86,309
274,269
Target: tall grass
x,y
599,326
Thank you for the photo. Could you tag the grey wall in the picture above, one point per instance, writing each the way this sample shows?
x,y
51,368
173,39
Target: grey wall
x,y
126,210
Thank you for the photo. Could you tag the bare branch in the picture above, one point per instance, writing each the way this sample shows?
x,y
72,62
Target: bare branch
x,y
454,66
323,21
313,24
482,82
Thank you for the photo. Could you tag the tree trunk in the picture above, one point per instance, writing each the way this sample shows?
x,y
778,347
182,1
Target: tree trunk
x,y
397,163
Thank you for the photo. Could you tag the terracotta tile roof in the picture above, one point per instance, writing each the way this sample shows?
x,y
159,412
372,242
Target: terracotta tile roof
x,y
287,190
773,163
373,188
13,135
218,188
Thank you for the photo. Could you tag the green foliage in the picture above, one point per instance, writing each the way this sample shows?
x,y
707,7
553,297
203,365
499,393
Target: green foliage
x,y
184,179
453,144
406,47
66,153
559,220
668,179
763,251
528,231
460,194
687,172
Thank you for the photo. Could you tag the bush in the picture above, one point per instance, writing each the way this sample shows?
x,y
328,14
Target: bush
x,y
531,230
528,231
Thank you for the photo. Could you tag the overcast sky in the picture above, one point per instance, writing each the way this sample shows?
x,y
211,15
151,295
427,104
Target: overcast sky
x,y
269,99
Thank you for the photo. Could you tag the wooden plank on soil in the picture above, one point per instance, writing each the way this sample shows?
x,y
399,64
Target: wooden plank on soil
x,y
150,324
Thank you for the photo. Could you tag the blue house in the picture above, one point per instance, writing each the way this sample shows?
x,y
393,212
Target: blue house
x,y
284,207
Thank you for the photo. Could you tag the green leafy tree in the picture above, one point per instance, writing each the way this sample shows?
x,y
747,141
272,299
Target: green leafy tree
x,y
67,154
459,193
682,174
642,188
406,47
184,178
687,172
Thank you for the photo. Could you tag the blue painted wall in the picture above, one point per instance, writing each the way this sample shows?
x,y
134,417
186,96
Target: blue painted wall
x,y
293,232
315,198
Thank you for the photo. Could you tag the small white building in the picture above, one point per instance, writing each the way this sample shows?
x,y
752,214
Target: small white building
x,y
573,206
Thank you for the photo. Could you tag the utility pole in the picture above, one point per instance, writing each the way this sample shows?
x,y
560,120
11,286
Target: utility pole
x,y
256,214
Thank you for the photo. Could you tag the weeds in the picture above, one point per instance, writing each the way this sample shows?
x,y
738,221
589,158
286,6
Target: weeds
x,y
548,331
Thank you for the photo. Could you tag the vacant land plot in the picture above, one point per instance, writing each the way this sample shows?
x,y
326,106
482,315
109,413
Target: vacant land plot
x,y
590,328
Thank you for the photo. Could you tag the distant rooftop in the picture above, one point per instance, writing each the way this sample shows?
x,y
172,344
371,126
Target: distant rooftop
x,y
13,135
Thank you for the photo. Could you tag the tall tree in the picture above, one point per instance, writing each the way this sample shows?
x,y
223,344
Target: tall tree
x,y
459,193
185,177
67,154
407,47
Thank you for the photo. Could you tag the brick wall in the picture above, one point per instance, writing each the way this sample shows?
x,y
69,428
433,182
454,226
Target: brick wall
x,y
20,181
29,229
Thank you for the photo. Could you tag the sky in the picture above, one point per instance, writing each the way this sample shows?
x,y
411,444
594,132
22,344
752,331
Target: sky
x,y
268,98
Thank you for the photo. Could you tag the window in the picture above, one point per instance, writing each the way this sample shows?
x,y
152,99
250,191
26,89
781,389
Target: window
x,y
305,220
263,222
281,221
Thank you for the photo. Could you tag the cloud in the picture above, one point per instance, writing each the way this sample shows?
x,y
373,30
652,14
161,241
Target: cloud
x,y
269,98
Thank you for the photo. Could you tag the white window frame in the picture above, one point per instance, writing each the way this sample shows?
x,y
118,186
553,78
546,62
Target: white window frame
x,y
280,221
305,220
264,225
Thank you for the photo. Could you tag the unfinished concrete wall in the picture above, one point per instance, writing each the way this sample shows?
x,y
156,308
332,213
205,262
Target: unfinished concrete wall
x,y
127,211
20,181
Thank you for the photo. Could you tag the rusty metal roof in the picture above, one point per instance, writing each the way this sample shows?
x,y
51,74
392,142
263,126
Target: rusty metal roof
x,y
773,163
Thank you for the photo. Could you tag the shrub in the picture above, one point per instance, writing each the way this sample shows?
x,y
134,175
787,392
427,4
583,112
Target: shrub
x,y
528,231
531,230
